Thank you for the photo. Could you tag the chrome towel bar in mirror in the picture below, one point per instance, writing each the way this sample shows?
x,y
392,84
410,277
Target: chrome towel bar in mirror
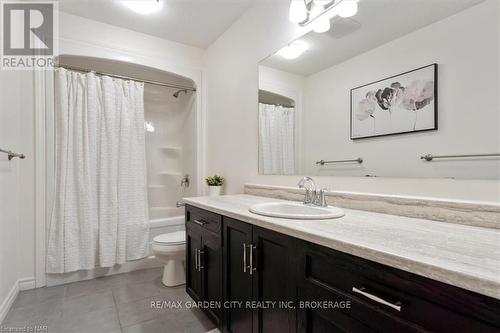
x,y
357,160
430,157
11,154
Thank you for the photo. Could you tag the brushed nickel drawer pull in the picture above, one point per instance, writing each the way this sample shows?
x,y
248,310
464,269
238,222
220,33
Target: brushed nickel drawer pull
x,y
361,291
200,222
196,259
200,267
244,257
251,247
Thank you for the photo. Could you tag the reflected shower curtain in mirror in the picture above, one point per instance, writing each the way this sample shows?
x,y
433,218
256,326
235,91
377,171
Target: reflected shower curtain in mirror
x,y
100,215
276,140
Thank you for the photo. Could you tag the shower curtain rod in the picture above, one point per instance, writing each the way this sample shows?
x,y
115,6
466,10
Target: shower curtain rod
x,y
287,106
157,83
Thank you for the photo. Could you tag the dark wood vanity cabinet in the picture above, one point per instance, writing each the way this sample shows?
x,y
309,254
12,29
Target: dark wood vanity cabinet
x,y
384,298
204,259
233,261
259,272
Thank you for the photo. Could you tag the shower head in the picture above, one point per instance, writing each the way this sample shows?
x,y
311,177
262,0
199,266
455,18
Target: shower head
x,y
176,94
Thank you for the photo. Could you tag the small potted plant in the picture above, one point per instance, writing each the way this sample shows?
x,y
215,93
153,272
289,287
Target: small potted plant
x,y
214,185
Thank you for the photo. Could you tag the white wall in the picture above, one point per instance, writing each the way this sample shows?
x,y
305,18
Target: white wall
x,y
232,68
280,82
232,90
468,112
9,181
16,180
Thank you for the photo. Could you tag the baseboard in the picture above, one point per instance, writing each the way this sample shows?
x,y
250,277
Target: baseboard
x,y
19,285
8,301
26,283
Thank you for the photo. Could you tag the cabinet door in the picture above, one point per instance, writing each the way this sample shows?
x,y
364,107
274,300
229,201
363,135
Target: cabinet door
x,y
237,281
273,281
211,267
193,273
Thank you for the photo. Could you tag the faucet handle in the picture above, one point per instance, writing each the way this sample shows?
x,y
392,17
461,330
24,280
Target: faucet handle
x,y
322,196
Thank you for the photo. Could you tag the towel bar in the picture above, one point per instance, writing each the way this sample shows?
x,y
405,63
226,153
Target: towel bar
x,y
323,162
11,154
430,157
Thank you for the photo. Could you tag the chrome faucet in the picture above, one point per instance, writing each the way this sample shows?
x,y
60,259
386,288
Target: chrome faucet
x,y
309,185
313,196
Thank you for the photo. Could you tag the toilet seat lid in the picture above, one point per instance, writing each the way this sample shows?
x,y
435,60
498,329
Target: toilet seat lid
x,y
176,237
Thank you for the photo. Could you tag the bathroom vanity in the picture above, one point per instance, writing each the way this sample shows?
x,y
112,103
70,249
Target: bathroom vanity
x,y
324,277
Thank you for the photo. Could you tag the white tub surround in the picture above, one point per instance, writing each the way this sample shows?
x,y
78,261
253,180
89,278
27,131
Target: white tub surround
x,y
473,213
464,256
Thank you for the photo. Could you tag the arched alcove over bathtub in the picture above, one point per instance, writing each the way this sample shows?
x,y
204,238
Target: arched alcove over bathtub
x,y
172,129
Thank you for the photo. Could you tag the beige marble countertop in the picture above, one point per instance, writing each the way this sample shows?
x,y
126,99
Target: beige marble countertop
x,y
460,255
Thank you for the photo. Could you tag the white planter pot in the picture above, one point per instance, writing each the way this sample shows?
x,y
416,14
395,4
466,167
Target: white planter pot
x,y
214,191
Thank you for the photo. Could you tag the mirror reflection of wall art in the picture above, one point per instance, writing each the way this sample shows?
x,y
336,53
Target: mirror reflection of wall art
x,y
403,103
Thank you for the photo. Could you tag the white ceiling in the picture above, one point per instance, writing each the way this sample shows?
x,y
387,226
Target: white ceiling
x,y
193,22
377,22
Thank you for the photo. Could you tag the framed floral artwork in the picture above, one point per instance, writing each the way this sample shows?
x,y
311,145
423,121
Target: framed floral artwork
x,y
404,103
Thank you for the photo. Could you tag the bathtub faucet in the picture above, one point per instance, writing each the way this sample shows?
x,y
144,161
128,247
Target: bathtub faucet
x,y
185,181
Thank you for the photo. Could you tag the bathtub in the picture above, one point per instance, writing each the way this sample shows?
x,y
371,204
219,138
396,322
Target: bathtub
x,y
156,227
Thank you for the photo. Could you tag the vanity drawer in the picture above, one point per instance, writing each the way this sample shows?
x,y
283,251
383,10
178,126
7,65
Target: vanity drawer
x,y
204,219
430,304
347,314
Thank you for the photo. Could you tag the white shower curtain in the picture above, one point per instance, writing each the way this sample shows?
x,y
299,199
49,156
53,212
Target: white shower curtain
x,y
100,215
276,140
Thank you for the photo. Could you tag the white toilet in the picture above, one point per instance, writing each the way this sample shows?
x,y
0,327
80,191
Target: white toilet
x,y
170,249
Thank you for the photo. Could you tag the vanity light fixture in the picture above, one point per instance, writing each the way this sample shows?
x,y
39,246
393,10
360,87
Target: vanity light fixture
x,y
293,50
143,7
318,13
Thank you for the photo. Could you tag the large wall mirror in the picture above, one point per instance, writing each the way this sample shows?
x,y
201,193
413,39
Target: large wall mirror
x,y
401,89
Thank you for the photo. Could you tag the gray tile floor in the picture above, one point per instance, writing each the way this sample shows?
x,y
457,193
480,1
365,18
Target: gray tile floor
x,y
118,303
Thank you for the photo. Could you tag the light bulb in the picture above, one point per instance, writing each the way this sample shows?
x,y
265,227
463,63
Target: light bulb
x,y
143,7
293,50
149,126
347,8
321,24
298,11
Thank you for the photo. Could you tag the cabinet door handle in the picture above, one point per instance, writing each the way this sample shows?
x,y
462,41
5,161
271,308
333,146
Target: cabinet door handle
x,y
196,258
251,268
200,267
244,257
362,291
200,222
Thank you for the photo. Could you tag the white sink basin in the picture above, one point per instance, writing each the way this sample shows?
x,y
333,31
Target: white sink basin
x,y
297,211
